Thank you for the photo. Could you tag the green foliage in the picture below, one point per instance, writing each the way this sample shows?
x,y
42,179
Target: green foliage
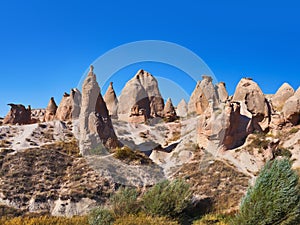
x,y
124,202
282,152
167,198
143,219
101,216
274,199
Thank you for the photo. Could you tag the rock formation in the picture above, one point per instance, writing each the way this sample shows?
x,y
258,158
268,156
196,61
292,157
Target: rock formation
x,y
169,111
142,94
96,130
18,114
281,96
69,107
291,108
50,110
204,93
111,101
225,126
182,109
249,94
222,92
37,115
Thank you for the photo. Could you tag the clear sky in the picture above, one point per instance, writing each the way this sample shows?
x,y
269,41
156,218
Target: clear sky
x,y
46,46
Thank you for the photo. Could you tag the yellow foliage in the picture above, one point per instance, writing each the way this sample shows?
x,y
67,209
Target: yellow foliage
x,y
142,219
45,220
211,219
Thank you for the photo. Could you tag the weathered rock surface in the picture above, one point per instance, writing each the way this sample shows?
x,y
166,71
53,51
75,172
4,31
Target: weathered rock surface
x,y
69,107
141,93
204,93
96,130
111,101
169,111
225,126
281,96
222,92
182,108
50,110
291,109
18,114
248,92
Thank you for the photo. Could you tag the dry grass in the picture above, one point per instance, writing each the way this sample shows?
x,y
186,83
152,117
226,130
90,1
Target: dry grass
x,y
132,157
44,220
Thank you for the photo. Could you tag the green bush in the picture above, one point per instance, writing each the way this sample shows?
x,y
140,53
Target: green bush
x,y
274,199
101,216
167,198
143,219
124,202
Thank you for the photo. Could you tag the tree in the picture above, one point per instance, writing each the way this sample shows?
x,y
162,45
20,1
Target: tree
x,y
274,199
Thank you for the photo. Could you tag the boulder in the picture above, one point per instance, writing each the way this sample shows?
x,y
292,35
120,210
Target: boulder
x,y
50,110
222,92
69,107
291,109
111,101
169,111
182,109
281,96
204,93
96,130
141,91
18,114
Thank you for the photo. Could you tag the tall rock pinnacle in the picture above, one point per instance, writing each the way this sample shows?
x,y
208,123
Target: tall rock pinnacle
x,y
95,125
111,101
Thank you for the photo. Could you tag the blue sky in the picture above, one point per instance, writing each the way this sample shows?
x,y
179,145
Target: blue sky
x,y
46,46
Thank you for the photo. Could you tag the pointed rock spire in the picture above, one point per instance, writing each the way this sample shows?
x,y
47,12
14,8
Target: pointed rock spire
x,y
291,109
204,93
169,111
50,110
281,96
182,108
222,92
94,123
111,101
142,94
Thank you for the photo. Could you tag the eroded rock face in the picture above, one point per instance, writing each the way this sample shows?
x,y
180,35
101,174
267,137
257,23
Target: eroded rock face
x,y
248,92
169,111
142,91
222,92
111,101
225,126
291,109
50,110
69,107
281,96
95,126
204,93
182,108
18,114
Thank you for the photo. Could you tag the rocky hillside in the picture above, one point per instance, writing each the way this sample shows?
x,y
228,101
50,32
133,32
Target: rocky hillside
x,y
69,157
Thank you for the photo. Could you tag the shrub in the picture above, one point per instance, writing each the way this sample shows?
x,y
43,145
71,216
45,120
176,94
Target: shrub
x,y
124,202
274,199
101,216
167,198
143,219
